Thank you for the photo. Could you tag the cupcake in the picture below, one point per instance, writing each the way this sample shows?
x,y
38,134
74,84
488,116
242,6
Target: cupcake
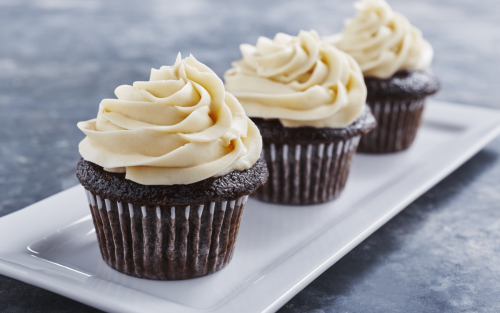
x,y
395,61
308,100
167,169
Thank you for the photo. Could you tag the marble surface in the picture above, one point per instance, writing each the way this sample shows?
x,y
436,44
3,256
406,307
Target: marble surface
x,y
59,58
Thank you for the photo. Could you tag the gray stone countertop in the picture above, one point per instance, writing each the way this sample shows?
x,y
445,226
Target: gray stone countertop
x,y
59,58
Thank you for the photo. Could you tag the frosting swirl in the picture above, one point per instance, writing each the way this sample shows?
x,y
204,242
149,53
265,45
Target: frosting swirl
x,y
382,41
299,80
179,127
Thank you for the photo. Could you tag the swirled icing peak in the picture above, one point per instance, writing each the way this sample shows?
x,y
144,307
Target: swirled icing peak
x,y
179,127
382,41
299,80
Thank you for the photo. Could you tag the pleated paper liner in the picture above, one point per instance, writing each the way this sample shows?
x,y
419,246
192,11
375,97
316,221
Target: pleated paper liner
x,y
166,243
306,174
398,122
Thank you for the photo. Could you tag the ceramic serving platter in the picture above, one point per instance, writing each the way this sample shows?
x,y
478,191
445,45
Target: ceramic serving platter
x,y
280,249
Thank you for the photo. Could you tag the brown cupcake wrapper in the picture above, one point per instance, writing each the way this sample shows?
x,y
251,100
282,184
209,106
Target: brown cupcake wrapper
x,y
397,125
166,243
306,174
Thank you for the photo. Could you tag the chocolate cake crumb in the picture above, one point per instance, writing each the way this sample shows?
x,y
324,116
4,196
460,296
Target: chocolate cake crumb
x,y
402,85
273,131
116,187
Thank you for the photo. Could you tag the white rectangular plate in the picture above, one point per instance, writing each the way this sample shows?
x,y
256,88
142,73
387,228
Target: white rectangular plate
x,y
280,249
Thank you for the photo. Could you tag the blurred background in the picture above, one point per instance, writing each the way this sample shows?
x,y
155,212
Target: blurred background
x,y
59,58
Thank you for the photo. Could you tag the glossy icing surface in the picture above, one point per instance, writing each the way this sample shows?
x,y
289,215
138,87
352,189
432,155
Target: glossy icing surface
x,y
180,127
383,41
299,80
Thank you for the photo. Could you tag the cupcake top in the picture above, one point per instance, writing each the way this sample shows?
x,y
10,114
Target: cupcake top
x,y
299,80
382,41
180,127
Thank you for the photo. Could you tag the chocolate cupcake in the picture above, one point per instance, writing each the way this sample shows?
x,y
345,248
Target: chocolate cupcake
x,y
308,100
167,168
395,61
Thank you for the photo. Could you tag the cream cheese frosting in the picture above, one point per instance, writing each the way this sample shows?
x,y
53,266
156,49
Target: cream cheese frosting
x,y
180,127
382,41
299,80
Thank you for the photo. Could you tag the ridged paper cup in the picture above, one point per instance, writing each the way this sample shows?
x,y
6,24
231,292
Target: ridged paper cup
x,y
397,103
163,242
398,121
304,174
